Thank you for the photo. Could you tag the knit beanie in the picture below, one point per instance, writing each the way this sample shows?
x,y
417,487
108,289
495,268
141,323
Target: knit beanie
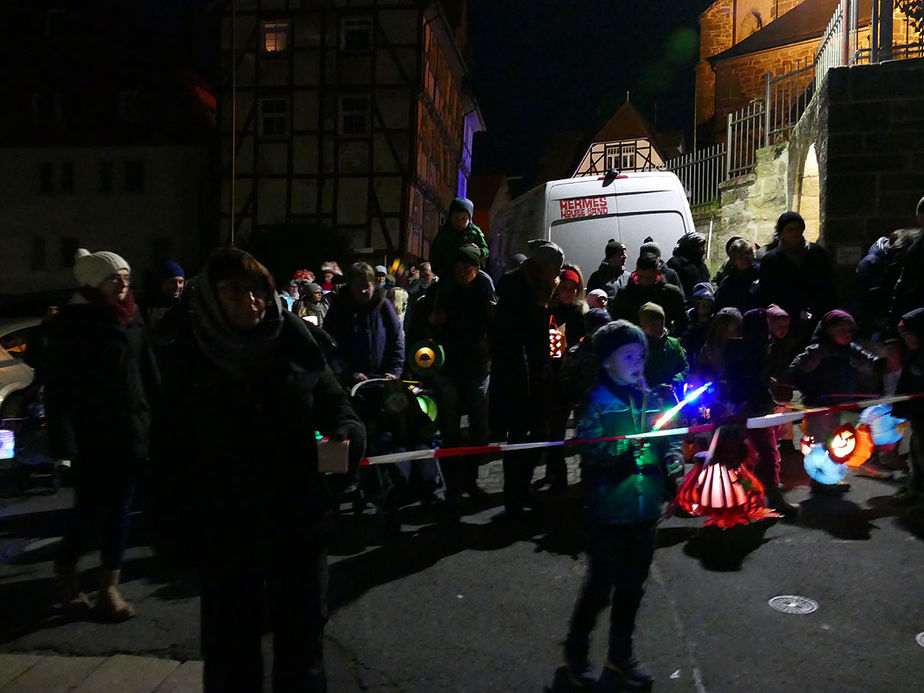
x,y
702,291
571,276
545,253
774,312
595,318
832,317
691,240
650,310
380,269
614,247
313,288
92,269
788,218
616,334
469,254
169,269
462,204
650,248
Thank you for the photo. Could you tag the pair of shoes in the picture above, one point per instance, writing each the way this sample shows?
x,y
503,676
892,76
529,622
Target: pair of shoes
x,y
873,470
776,501
580,674
109,602
629,673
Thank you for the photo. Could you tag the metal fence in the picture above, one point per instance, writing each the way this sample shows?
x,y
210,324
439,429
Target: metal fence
x,y
701,173
789,95
746,134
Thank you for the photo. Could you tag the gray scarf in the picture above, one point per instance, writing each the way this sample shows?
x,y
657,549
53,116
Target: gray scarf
x,y
233,352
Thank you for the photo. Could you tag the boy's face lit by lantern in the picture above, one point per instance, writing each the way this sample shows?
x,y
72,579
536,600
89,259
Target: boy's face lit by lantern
x,y
626,365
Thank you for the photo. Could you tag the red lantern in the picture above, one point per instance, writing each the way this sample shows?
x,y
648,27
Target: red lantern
x,y
851,446
556,340
725,495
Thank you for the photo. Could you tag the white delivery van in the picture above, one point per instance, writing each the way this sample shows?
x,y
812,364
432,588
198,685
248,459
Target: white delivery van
x,y
582,214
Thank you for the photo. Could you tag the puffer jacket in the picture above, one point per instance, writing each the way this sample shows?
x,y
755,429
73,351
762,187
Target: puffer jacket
x,y
625,482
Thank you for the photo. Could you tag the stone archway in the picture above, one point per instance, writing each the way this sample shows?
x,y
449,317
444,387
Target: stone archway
x,y
808,195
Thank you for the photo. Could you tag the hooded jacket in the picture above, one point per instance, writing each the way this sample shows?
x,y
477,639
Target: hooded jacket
x,y
634,296
370,335
687,261
610,279
624,483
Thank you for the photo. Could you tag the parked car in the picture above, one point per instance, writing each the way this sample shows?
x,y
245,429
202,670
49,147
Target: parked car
x,y
15,374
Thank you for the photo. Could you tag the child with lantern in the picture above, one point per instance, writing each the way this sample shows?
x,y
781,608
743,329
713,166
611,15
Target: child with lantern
x,y
625,484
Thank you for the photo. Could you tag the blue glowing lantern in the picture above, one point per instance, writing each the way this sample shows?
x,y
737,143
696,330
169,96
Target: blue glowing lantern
x,y
882,425
7,444
822,468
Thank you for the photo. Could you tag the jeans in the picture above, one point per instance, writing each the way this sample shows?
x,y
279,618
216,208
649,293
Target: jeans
x,y
103,492
456,396
767,469
291,580
618,558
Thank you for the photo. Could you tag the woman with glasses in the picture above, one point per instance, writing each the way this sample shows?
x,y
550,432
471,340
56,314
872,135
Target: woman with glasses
x,y
258,507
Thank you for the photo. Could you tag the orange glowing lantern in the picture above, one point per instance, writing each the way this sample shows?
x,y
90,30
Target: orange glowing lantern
x,y
851,446
557,342
806,444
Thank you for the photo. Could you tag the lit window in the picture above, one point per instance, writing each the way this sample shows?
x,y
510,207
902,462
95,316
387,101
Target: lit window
x,y
134,176
274,116
275,37
354,115
356,33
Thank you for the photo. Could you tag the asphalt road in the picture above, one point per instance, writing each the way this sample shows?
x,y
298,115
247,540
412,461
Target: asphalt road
x,y
486,609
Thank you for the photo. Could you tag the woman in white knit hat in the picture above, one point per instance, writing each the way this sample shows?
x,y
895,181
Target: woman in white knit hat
x,y
101,382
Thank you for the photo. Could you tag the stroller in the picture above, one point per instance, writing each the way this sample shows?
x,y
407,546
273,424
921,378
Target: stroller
x,y
399,417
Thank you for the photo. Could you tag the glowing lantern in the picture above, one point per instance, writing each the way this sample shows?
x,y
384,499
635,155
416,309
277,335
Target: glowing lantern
x,y
557,342
723,489
806,444
427,405
7,444
427,357
822,468
851,446
882,425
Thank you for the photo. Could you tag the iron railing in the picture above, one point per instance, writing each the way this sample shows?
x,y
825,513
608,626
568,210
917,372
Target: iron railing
x,y
701,172
745,135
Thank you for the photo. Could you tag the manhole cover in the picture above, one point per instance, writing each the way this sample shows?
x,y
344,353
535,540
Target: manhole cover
x,y
920,639
793,604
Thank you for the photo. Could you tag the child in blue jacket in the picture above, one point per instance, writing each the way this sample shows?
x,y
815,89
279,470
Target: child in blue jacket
x,y
625,483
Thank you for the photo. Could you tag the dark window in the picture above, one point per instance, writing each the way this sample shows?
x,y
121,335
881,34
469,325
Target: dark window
x,y
275,37
39,254
274,116
134,176
67,177
356,33
163,249
69,246
106,177
354,115
128,106
46,178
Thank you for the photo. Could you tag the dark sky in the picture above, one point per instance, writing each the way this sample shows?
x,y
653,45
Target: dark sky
x,y
546,66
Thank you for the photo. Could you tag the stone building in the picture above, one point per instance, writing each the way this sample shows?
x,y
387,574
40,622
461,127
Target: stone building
x,y
105,139
742,40
348,115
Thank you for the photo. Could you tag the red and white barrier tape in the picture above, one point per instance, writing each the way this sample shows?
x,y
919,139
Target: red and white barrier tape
x,y
767,421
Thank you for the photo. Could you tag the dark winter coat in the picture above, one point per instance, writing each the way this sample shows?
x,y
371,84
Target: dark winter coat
x,y
448,240
571,317
465,332
738,289
370,335
634,296
235,467
797,285
744,368
624,483
826,368
666,363
610,279
102,382
689,265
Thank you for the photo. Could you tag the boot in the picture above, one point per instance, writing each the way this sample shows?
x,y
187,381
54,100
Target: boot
x,y
628,675
109,602
74,602
776,501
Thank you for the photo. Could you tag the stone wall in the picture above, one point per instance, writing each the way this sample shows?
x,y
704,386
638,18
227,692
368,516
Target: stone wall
x,y
716,33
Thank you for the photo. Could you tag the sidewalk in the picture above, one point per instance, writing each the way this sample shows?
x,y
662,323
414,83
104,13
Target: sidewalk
x,y
27,673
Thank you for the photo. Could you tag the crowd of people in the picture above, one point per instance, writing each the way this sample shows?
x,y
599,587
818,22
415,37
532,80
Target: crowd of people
x,y
259,369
